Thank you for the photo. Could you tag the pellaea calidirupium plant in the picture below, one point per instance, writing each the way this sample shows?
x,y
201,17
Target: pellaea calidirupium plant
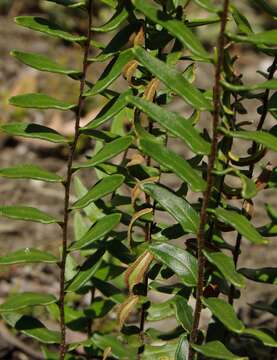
x,y
148,194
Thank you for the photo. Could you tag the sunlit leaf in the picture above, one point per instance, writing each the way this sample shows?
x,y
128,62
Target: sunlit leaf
x,y
99,308
175,27
118,42
173,79
27,171
112,292
165,351
182,350
47,27
241,224
174,123
226,266
80,226
216,350
109,151
260,137
272,105
92,211
241,21
118,349
267,275
40,101
111,73
100,229
180,261
114,22
269,84
34,328
184,313
175,163
265,337
207,5
27,255
178,207
86,271
42,63
33,131
27,213
112,108
160,311
249,188
225,313
20,301
104,187
70,3
202,22
266,37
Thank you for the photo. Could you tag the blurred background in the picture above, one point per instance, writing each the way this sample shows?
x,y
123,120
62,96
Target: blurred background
x,y
16,78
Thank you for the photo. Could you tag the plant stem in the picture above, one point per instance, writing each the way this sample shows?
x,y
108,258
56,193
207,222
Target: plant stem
x,y
67,184
251,168
228,143
210,180
147,239
148,230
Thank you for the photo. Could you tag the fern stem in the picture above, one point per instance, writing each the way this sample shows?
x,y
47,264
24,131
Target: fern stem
x,y
251,167
210,180
67,184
